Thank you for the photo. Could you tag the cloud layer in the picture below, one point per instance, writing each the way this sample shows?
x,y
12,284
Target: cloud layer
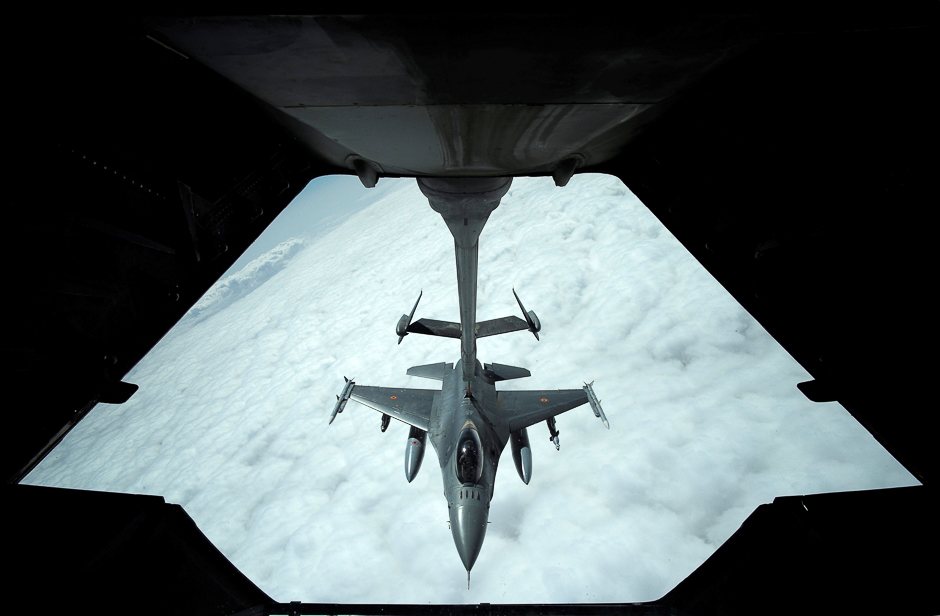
x,y
706,421
232,288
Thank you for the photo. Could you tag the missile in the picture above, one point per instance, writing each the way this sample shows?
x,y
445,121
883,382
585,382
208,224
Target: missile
x,y
522,454
414,452
554,432
343,398
595,403
531,320
402,328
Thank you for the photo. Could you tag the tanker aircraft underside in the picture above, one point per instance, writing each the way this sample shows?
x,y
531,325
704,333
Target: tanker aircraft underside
x,y
468,421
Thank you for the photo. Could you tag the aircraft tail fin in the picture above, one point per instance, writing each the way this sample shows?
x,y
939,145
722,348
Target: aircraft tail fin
x,y
430,371
502,372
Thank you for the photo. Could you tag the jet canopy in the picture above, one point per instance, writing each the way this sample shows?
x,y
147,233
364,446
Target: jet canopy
x,y
469,457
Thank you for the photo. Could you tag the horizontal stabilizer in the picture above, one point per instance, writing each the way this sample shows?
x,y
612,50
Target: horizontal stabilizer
x,y
500,326
502,372
431,327
449,329
430,371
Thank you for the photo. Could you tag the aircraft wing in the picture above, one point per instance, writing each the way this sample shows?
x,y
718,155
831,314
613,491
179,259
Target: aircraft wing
x,y
525,408
412,406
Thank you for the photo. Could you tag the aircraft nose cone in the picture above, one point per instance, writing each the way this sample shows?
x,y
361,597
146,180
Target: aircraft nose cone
x,y
468,524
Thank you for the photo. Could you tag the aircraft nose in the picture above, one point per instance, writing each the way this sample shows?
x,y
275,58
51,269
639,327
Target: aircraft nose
x,y
468,518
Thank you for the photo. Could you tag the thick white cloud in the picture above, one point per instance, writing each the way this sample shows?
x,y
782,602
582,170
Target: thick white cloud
x,y
232,288
706,421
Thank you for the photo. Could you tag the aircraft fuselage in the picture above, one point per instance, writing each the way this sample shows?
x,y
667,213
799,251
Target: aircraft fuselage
x,y
468,489
469,423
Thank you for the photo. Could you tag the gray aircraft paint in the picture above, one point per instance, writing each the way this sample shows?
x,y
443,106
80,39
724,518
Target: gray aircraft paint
x,y
467,421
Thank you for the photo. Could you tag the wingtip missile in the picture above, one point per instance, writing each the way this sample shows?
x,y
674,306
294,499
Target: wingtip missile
x,y
595,404
343,398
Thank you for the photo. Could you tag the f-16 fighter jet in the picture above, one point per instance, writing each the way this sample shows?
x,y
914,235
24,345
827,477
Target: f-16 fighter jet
x,y
468,421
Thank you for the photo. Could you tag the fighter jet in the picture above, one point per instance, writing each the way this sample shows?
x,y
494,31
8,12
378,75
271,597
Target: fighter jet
x,y
468,421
